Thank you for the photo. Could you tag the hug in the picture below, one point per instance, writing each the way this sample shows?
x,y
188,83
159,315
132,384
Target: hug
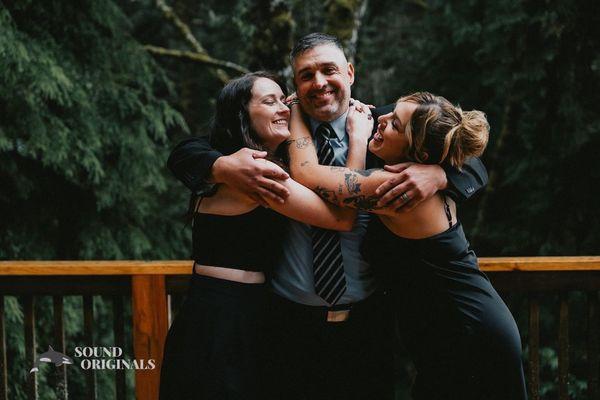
x,y
309,257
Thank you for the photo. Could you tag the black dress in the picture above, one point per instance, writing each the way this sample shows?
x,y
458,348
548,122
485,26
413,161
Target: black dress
x,y
461,336
215,347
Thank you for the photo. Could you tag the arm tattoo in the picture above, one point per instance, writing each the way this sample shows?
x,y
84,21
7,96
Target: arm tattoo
x,y
352,183
366,172
335,168
304,163
326,194
301,143
362,202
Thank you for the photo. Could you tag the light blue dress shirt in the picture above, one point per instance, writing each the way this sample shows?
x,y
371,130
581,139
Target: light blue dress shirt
x,y
293,278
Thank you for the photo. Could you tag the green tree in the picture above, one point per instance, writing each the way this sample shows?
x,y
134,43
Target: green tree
x,y
83,144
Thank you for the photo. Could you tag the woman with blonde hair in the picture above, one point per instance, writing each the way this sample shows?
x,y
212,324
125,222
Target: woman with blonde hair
x,y
461,336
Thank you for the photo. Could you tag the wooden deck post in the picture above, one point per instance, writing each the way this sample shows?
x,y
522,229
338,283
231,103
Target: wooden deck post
x,y
150,324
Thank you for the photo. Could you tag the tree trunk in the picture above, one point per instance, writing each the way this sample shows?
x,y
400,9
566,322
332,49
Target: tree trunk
x,y
343,19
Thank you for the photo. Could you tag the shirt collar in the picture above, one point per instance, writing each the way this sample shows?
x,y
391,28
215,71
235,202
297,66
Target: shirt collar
x,y
338,125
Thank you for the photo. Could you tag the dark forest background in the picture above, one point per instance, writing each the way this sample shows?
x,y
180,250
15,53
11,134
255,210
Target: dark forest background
x,y
93,94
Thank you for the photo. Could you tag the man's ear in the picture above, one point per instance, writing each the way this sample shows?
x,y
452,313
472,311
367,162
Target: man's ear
x,y
351,72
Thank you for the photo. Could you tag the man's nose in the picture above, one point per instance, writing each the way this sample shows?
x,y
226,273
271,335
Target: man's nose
x,y
319,80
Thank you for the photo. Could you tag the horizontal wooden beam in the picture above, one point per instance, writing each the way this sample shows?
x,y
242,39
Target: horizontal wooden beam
x,y
534,264
184,267
125,267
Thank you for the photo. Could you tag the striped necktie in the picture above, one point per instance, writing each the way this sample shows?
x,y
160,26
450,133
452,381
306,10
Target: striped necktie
x,y
330,280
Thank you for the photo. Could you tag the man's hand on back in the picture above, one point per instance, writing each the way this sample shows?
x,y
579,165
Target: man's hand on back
x,y
241,171
412,184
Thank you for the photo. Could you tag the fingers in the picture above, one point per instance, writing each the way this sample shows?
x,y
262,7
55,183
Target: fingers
x,y
397,167
258,199
357,106
258,154
393,193
400,202
273,171
387,190
267,194
278,191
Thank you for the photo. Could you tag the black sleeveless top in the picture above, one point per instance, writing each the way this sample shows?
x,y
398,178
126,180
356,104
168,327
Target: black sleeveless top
x,y
250,241
397,259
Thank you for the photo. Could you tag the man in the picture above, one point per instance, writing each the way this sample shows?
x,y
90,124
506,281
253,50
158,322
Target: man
x,y
332,344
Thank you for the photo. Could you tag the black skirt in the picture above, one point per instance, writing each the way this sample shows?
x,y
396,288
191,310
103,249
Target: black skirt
x,y
461,336
215,346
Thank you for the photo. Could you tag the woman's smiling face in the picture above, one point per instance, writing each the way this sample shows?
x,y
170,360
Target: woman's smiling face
x,y
389,142
269,115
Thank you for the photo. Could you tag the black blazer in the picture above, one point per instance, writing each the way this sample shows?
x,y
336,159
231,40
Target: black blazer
x,y
192,159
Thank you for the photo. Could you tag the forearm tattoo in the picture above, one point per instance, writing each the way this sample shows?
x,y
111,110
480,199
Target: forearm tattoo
x,y
366,172
326,194
301,143
352,188
362,202
352,183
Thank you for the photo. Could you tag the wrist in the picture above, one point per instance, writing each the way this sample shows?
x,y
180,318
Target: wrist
x,y
218,170
443,179
358,141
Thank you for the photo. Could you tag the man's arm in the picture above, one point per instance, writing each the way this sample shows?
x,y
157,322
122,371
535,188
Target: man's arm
x,y
420,181
462,184
191,162
198,166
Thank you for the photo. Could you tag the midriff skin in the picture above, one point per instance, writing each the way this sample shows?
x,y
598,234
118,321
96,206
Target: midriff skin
x,y
230,274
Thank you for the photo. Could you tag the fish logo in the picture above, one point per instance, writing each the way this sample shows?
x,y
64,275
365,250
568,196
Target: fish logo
x,y
51,356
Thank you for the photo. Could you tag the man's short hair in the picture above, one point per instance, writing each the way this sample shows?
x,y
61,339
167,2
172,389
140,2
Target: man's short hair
x,y
312,40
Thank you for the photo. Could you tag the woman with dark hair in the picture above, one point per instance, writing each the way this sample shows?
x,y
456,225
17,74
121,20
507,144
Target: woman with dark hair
x,y
215,347
461,336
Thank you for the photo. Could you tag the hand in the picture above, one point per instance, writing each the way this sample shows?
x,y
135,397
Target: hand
x,y
412,184
242,171
292,99
359,123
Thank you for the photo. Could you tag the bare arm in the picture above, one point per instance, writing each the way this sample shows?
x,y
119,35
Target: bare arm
x,y
302,205
361,131
339,185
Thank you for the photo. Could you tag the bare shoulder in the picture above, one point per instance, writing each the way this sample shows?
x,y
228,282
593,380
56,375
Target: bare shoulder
x,y
227,201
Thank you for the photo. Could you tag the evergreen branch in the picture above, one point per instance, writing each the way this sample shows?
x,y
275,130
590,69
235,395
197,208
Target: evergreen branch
x,y
182,26
199,54
195,56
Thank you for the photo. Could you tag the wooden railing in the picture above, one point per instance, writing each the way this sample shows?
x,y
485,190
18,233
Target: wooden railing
x,y
147,284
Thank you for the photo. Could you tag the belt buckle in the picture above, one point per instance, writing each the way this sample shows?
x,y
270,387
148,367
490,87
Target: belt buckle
x,y
338,316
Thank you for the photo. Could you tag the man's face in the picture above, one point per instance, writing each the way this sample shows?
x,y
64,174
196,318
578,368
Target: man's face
x,y
323,77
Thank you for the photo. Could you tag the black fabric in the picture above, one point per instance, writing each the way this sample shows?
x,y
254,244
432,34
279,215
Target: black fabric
x,y
460,334
191,162
250,241
312,359
215,348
